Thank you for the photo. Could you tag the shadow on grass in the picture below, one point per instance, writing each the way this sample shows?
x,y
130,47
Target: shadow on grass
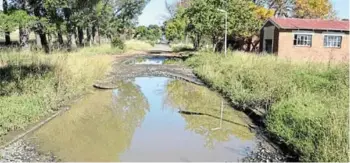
x,y
13,75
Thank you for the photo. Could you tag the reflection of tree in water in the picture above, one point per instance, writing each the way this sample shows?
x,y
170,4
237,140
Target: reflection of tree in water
x,y
90,131
129,104
206,104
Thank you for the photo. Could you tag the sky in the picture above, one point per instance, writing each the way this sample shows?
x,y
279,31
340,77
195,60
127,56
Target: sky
x,y
154,12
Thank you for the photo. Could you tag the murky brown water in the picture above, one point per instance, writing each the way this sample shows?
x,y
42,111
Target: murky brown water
x,y
140,122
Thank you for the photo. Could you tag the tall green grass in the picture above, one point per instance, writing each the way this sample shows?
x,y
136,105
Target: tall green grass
x,y
33,85
305,104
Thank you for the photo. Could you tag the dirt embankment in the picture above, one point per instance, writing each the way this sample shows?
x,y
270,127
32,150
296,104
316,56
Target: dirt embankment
x,y
123,71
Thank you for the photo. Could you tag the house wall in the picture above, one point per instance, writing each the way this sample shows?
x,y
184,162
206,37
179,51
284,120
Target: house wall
x,y
317,52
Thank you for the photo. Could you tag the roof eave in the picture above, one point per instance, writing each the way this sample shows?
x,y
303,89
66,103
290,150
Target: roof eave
x,y
314,29
273,22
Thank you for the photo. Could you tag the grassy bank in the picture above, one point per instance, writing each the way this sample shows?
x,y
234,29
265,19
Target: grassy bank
x,y
137,45
178,47
33,84
306,104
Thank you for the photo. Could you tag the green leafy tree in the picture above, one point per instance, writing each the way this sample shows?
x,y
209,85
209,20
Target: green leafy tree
x,y
50,18
175,28
150,33
206,21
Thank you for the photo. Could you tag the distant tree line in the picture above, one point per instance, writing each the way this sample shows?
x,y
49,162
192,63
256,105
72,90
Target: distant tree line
x,y
83,22
150,33
201,21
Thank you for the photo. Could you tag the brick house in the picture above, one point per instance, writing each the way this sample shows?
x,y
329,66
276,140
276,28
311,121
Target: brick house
x,y
306,39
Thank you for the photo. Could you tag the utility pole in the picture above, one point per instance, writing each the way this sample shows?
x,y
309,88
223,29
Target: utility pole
x,y
225,29
225,34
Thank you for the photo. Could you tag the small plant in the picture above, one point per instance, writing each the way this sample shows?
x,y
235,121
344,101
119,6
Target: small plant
x,y
118,43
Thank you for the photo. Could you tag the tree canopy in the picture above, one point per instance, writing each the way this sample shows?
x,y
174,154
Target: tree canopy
x,y
203,20
55,18
151,33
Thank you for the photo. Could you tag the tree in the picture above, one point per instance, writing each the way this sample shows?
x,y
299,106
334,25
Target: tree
x,y
313,9
154,32
206,21
151,33
175,28
140,32
171,10
7,26
49,18
299,8
282,7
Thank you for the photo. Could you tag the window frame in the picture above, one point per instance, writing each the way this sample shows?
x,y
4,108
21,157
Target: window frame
x,y
334,35
303,34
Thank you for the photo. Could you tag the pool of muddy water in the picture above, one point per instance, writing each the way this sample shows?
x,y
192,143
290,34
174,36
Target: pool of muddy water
x,y
148,119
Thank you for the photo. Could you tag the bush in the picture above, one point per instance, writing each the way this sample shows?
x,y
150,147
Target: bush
x,y
181,47
306,104
118,43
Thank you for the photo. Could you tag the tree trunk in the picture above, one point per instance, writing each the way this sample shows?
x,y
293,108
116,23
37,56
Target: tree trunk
x,y
93,31
96,35
70,30
88,36
214,42
49,41
71,41
76,36
249,44
81,36
7,38
23,38
197,40
38,41
7,33
59,35
70,37
44,42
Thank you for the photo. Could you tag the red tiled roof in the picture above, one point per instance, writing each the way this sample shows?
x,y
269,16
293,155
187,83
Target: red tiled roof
x,y
316,24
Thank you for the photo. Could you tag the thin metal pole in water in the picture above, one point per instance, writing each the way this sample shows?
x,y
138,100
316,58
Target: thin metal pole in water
x,y
221,116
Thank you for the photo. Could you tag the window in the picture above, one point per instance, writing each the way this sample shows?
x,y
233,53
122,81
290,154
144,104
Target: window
x,y
331,41
302,39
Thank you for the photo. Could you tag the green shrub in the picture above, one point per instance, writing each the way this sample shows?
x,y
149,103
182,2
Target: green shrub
x,y
118,43
306,104
181,47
